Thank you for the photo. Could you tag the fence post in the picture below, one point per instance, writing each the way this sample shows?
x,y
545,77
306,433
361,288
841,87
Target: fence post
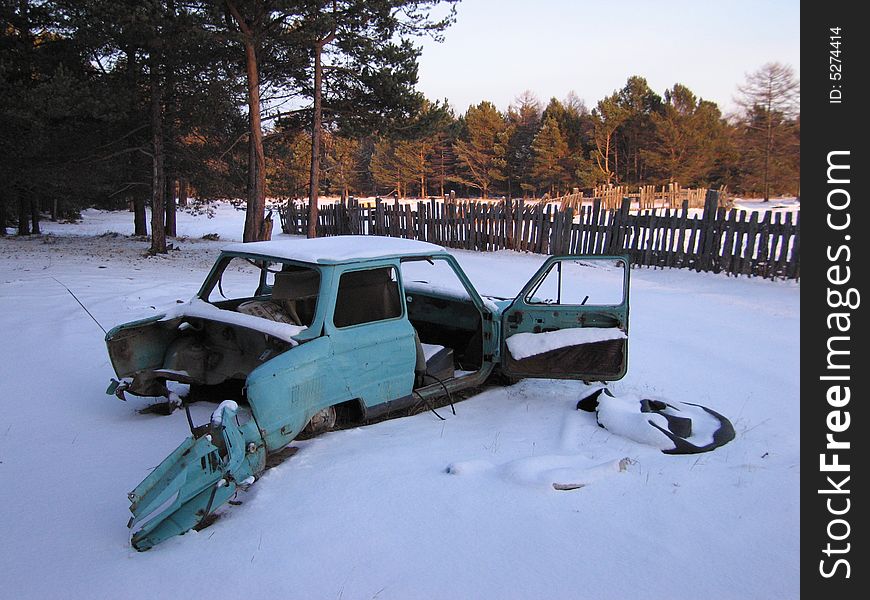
x,y
707,217
379,216
618,240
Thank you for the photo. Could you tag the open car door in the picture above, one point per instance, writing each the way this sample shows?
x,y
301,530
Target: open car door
x,y
570,321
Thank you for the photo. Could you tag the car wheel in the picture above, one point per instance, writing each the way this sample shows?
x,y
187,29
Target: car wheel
x,y
321,422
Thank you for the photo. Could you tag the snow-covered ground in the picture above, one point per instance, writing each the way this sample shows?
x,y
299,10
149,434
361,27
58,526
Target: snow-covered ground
x,y
408,508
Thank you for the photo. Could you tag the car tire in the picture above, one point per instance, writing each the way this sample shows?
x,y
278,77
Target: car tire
x,y
321,422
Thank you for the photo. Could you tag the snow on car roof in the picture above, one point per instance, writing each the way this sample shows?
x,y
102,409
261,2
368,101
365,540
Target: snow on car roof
x,y
338,249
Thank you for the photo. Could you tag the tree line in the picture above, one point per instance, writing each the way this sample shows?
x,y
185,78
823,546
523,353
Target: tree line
x,y
114,103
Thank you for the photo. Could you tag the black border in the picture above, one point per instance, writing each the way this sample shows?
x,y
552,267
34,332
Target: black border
x,y
828,127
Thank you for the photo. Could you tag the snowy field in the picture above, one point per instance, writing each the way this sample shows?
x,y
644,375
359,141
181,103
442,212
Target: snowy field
x,y
413,507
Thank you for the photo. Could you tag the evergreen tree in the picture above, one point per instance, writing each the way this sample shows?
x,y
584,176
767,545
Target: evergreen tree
x,y
770,99
173,84
287,162
572,118
635,134
688,137
54,110
482,148
395,166
578,127
524,118
608,116
342,165
264,29
551,157
769,167
363,67
442,160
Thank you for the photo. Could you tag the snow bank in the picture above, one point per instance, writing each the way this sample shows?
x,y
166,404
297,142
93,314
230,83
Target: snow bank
x,y
375,501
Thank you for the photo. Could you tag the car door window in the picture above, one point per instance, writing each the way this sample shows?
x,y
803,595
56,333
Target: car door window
x,y
367,296
590,281
239,279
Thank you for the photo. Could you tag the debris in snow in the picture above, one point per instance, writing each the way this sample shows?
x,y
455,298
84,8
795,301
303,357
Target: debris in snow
x,y
524,345
568,486
557,471
673,428
622,416
593,473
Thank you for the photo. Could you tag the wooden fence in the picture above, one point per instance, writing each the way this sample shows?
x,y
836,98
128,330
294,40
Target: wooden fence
x,y
765,244
645,197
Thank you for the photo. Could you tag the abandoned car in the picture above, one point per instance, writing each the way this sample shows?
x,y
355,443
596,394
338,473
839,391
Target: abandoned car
x,y
305,332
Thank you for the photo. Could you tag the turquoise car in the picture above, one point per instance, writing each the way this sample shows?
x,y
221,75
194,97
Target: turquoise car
x,y
298,335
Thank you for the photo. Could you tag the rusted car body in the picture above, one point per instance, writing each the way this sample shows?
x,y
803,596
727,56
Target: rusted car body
x,y
300,333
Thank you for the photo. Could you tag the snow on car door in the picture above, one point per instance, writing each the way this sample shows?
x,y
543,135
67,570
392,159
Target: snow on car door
x,y
570,321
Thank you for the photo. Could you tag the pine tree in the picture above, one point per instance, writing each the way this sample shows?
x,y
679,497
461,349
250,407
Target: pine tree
x,y
769,167
342,165
363,67
396,166
264,31
550,162
55,109
572,117
524,117
442,160
168,90
608,116
482,149
688,135
770,99
287,163
578,127
635,134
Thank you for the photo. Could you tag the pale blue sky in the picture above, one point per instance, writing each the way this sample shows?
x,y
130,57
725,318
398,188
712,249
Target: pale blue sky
x,y
499,48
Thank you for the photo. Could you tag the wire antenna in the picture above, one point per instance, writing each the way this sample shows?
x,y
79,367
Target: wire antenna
x,y
82,305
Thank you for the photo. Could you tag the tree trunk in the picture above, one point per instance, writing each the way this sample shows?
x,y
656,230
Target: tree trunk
x,y
158,180
2,212
442,173
316,134
34,215
23,214
140,223
768,146
182,191
140,226
170,207
256,157
422,172
169,134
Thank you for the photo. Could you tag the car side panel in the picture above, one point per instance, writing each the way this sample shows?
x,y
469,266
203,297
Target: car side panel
x,y
286,391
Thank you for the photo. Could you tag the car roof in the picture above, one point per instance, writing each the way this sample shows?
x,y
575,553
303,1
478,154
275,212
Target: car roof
x,y
337,250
